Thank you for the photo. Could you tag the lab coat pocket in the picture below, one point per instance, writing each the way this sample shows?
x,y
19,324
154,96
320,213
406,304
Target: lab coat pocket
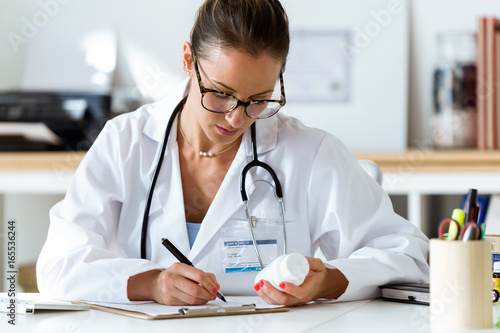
x,y
238,253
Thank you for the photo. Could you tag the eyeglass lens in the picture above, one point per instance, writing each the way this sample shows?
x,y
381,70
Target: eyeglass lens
x,y
222,103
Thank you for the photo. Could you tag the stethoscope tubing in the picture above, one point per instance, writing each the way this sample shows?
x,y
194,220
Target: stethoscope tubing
x,y
145,219
254,163
279,194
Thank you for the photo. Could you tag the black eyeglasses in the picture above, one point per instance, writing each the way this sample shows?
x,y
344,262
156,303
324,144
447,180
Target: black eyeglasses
x,y
220,102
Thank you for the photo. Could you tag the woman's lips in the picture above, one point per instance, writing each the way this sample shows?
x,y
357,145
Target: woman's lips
x,y
225,132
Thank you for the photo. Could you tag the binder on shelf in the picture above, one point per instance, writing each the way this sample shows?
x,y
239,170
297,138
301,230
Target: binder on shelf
x,y
488,87
481,85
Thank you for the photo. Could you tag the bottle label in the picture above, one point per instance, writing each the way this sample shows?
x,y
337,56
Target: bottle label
x,y
496,284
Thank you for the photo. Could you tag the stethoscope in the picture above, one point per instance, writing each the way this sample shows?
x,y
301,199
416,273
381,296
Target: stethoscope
x,y
254,163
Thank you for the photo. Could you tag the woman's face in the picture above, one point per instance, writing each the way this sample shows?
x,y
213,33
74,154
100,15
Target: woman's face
x,y
237,73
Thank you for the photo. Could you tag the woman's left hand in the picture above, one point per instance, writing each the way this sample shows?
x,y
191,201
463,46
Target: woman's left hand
x,y
320,282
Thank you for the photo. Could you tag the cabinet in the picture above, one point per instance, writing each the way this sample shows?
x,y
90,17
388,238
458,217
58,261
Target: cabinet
x,y
421,174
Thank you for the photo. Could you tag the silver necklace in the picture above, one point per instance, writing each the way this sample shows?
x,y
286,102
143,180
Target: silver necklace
x,y
205,153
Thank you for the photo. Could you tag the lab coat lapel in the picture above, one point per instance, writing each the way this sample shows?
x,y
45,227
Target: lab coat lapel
x,y
169,194
228,199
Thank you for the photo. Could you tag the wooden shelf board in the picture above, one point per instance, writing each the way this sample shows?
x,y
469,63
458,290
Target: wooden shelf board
x,y
40,161
410,161
436,161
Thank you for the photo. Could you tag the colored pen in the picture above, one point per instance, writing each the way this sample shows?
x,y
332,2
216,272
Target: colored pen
x,y
182,258
457,215
471,207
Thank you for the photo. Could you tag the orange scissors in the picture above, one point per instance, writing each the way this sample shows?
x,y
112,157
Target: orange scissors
x,y
449,229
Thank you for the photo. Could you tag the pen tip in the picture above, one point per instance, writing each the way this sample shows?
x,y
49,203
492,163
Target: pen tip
x,y
221,297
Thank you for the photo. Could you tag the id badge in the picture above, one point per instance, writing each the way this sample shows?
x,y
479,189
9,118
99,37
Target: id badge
x,y
237,248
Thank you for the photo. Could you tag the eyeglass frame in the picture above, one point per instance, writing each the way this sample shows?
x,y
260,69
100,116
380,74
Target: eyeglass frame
x,y
204,91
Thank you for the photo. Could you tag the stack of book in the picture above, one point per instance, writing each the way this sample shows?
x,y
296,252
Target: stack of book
x,y
488,83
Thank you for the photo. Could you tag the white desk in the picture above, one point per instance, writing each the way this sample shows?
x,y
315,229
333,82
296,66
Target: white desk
x,y
361,316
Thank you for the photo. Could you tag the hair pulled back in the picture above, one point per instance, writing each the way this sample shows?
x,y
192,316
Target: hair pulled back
x,y
253,26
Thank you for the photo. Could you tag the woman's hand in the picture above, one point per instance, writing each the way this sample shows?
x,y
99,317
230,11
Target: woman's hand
x,y
180,284
320,282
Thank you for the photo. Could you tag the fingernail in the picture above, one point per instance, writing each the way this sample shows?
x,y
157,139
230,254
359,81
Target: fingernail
x,y
261,283
214,291
256,287
282,285
213,299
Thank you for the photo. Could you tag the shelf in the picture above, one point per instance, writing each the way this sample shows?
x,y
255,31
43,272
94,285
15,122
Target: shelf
x,y
412,160
40,161
436,161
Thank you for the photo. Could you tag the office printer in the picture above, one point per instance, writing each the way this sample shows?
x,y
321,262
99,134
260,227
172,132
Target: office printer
x,y
51,120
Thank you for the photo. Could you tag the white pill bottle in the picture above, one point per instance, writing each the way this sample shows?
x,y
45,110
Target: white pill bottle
x,y
291,268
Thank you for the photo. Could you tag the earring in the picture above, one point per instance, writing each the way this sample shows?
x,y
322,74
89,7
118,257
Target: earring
x,y
188,72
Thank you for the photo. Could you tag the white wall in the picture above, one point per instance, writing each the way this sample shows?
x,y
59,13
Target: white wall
x,y
150,33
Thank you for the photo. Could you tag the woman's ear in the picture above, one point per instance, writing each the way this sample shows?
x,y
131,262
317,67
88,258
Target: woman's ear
x,y
187,59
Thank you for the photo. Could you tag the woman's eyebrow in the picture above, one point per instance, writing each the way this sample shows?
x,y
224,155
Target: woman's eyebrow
x,y
231,90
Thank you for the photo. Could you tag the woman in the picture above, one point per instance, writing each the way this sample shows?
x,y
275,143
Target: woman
x,y
235,59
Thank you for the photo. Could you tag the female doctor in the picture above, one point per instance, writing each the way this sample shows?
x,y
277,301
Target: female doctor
x,y
183,184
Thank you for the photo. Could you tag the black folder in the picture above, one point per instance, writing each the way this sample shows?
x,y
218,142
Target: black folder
x,y
406,293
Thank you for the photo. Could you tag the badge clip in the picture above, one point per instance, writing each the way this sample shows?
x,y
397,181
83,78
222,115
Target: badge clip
x,y
253,219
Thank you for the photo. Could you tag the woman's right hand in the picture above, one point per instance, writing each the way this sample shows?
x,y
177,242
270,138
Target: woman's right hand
x,y
180,284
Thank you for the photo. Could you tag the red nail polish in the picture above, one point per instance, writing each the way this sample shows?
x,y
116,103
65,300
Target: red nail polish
x,y
213,299
261,283
256,287
282,285
214,291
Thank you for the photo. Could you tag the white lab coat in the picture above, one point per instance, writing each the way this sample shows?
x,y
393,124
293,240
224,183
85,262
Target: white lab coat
x,y
93,243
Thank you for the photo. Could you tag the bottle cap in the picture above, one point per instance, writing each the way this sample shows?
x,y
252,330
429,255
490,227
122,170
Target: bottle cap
x,y
295,268
496,267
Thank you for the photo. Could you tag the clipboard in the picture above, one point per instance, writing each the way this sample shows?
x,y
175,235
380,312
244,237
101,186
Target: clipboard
x,y
186,312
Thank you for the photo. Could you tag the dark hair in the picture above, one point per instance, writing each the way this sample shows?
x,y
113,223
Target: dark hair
x,y
253,26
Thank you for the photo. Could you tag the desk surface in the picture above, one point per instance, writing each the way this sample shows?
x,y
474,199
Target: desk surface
x,y
418,160
361,316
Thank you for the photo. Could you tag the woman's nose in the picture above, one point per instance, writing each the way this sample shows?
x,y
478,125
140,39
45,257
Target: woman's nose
x,y
236,117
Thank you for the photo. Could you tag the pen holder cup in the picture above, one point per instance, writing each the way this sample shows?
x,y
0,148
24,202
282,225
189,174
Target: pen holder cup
x,y
460,284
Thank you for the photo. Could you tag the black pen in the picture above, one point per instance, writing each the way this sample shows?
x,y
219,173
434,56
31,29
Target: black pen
x,y
182,258
471,207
